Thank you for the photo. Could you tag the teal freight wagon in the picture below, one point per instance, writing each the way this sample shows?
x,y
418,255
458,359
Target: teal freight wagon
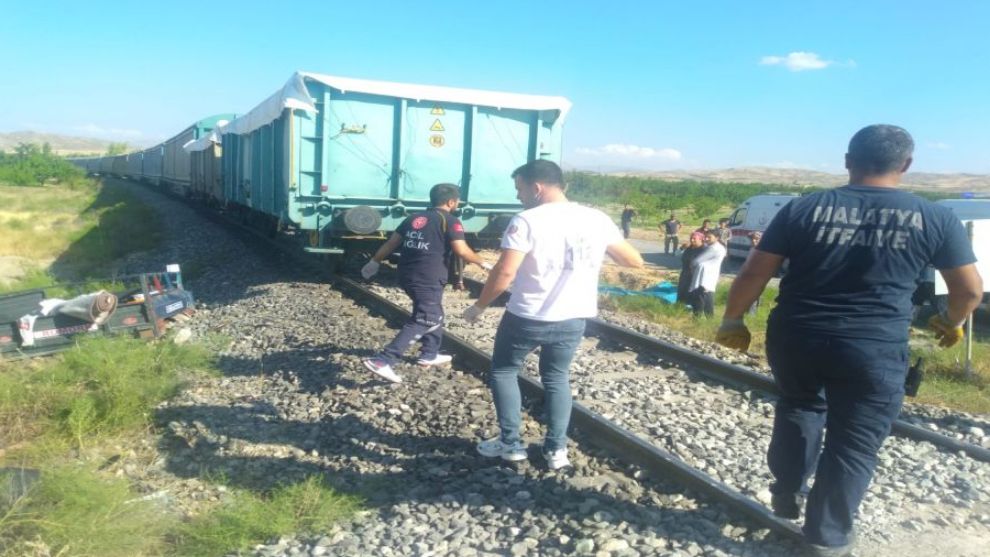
x,y
347,160
176,169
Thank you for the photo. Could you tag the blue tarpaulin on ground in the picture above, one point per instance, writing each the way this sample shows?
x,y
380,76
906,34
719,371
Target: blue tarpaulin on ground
x,y
663,290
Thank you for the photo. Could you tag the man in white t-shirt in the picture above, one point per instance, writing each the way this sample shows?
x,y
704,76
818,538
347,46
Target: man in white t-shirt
x,y
551,255
705,272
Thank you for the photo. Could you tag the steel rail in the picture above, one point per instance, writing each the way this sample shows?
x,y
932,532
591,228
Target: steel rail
x,y
743,378
595,429
591,427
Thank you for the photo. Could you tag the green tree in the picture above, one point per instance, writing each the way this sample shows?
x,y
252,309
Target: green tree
x,y
116,149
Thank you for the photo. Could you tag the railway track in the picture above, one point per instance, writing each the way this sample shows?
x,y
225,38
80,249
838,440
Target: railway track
x,y
596,423
742,378
722,431
591,427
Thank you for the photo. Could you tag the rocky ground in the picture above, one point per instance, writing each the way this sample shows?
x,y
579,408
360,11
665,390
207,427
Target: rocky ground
x,y
294,401
918,489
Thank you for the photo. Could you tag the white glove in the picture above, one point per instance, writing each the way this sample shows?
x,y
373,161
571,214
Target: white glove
x,y
370,269
472,313
487,266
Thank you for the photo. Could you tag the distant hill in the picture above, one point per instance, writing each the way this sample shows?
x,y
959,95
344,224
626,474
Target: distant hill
x,y
61,144
801,177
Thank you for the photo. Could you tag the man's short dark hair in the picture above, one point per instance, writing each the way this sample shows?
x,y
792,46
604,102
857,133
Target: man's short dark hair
x,y
544,172
880,149
723,221
442,193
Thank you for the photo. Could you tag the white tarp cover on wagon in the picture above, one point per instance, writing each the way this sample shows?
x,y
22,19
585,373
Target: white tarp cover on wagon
x,y
295,95
204,142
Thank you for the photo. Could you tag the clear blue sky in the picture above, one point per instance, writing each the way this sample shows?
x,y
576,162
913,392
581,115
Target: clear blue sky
x,y
655,84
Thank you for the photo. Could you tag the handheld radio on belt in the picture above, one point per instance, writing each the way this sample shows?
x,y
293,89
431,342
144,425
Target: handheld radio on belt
x,y
915,375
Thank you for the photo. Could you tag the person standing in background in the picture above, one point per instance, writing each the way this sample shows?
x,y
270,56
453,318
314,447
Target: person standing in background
x,y
706,226
724,232
671,227
627,217
689,252
705,271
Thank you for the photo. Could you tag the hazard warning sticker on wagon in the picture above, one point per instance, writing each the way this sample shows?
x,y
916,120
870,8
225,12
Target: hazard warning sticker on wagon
x,y
437,110
437,126
436,140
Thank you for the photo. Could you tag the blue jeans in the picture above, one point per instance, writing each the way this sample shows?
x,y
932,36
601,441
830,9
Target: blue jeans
x,y
515,339
853,388
424,325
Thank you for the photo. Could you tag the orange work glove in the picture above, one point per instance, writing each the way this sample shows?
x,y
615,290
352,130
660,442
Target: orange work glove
x,y
733,334
946,333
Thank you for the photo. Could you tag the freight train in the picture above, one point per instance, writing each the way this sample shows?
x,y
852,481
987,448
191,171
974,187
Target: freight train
x,y
342,161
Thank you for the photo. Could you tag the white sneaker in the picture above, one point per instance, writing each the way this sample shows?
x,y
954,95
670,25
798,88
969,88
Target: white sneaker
x,y
557,459
437,360
494,447
382,369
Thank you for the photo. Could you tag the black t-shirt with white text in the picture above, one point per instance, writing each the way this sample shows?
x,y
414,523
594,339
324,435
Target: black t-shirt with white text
x,y
425,248
855,255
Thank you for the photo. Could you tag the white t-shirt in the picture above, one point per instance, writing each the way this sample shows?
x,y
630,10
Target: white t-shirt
x,y
707,267
564,245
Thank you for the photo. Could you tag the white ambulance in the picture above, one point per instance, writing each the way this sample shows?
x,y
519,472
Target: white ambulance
x,y
754,215
975,214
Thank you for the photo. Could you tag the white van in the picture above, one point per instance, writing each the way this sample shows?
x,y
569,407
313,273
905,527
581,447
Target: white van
x,y
968,209
931,288
753,215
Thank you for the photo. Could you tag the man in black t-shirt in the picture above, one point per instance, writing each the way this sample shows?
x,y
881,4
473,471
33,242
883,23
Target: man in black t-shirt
x,y
627,217
837,339
425,242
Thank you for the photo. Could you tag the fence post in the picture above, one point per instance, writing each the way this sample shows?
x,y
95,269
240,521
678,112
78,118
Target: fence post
x,y
969,320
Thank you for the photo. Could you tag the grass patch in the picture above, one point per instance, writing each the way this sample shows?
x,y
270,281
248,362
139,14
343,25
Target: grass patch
x,y
73,510
249,519
102,388
76,511
945,383
58,234
677,317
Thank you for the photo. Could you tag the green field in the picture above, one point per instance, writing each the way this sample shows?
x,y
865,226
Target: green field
x,y
65,417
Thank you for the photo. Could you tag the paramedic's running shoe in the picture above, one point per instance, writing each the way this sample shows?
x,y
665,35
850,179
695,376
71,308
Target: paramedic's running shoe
x,y
494,447
557,459
382,369
438,360
831,551
786,505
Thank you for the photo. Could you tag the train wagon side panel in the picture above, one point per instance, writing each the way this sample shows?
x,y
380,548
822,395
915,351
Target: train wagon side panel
x,y
135,162
118,166
151,167
176,165
205,173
